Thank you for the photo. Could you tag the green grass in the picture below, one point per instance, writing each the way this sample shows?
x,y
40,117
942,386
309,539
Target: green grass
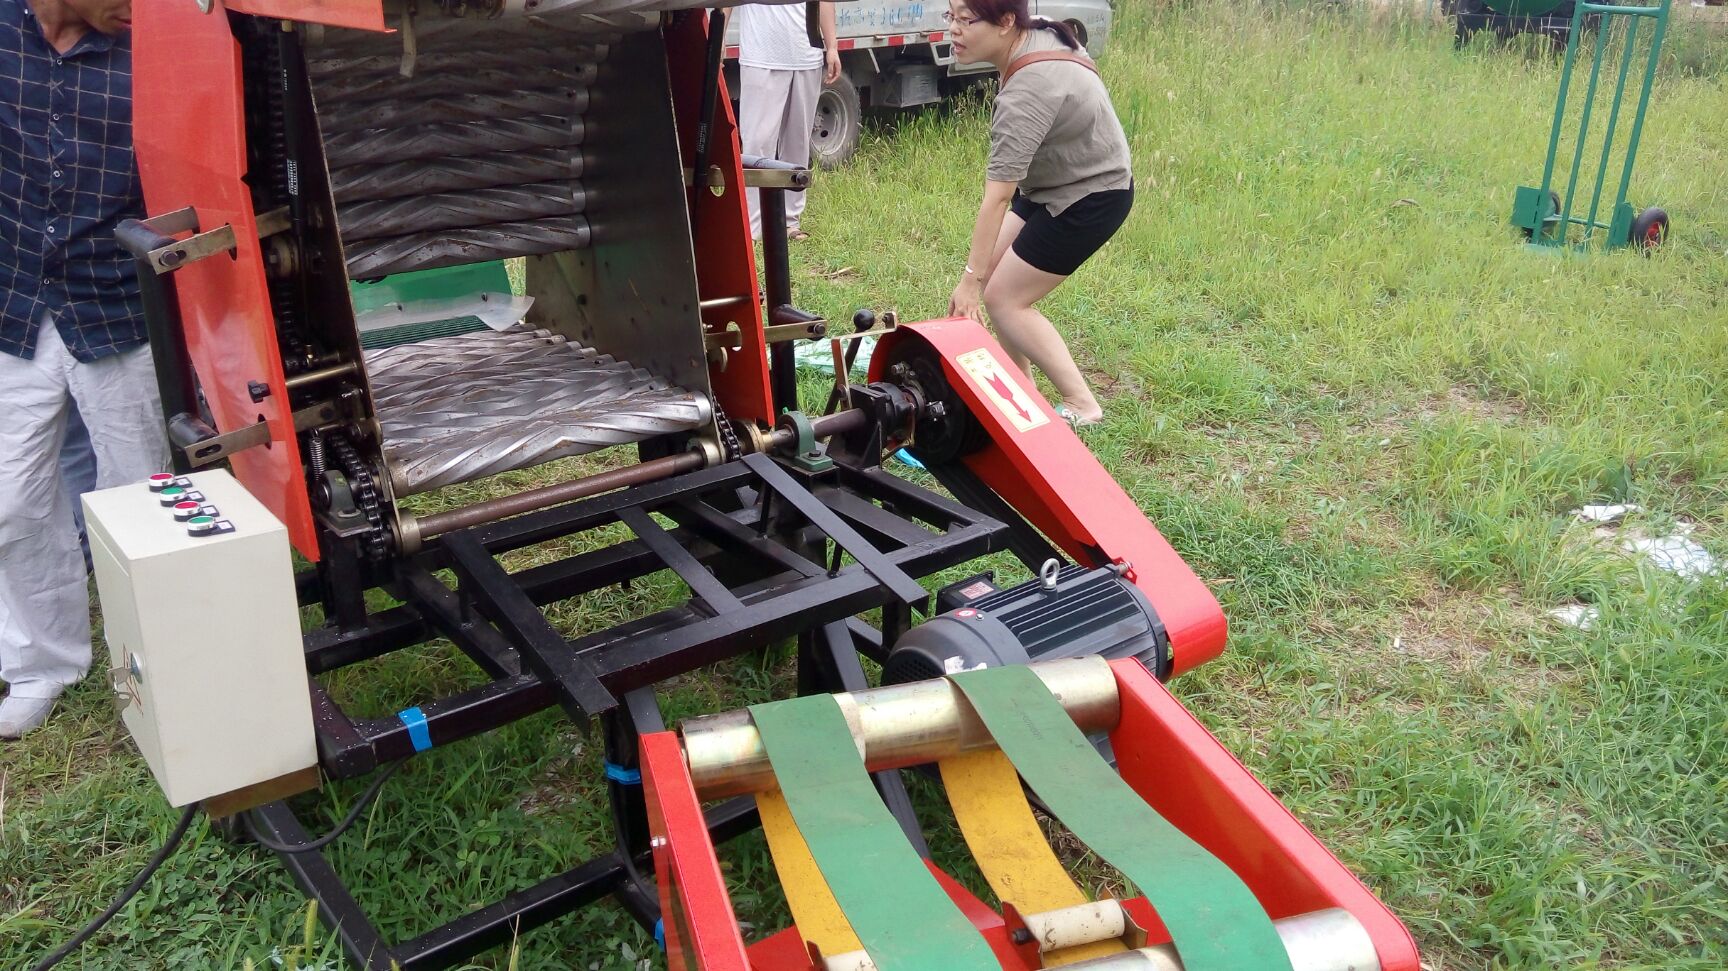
x,y
1345,394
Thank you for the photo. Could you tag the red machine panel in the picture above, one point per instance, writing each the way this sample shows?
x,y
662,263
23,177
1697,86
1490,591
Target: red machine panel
x,y
1037,463
364,14
700,929
1176,765
190,122
725,256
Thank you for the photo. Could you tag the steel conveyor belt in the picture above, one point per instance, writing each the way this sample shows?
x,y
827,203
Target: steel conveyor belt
x,y
457,408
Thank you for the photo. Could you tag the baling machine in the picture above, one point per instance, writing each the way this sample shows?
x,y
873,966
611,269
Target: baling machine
x,y
325,470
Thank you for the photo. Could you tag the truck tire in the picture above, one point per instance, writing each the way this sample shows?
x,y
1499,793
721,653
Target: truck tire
x,y
839,117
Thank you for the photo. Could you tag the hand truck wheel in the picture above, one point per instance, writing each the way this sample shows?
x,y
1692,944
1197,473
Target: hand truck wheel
x,y
1649,230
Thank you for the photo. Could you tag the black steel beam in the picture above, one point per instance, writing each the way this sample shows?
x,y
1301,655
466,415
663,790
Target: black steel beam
x,y
360,939
574,680
487,648
775,478
695,576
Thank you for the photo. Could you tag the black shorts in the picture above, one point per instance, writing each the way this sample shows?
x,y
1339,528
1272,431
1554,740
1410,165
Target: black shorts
x,y
1059,244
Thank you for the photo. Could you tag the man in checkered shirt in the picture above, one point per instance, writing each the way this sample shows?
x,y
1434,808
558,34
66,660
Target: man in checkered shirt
x,y
71,325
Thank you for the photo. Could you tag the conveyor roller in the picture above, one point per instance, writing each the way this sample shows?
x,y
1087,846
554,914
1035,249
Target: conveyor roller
x,y
454,409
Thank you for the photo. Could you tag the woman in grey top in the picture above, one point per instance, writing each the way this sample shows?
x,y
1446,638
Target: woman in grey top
x,y
1057,186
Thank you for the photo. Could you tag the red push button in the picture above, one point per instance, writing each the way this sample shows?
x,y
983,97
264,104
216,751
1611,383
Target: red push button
x,y
160,481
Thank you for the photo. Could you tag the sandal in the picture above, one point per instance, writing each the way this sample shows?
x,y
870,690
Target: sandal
x,y
797,235
1074,420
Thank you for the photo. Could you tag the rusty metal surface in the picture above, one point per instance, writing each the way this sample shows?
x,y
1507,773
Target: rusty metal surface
x,y
459,210
458,408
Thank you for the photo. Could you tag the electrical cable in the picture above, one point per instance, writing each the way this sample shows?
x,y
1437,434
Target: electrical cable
x,y
126,895
365,800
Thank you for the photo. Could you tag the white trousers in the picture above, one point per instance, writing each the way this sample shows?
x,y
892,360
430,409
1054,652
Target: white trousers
x,y
776,110
44,599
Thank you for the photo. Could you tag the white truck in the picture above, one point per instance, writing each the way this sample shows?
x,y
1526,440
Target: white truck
x,y
896,54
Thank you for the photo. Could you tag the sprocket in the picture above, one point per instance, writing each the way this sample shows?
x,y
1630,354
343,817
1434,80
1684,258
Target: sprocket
x,y
365,490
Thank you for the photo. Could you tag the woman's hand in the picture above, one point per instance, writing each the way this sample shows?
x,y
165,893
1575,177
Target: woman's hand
x,y
968,298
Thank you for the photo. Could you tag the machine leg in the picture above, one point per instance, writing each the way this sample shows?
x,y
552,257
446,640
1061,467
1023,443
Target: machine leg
x,y
777,273
360,940
624,729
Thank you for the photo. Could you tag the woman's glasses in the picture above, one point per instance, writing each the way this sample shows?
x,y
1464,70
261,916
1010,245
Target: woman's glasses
x,y
949,18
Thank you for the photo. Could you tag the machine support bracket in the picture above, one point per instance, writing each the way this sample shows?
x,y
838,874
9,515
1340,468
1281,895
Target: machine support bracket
x,y
170,254
732,339
203,447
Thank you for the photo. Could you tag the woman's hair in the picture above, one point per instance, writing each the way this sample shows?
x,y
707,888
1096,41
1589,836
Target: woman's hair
x,y
997,11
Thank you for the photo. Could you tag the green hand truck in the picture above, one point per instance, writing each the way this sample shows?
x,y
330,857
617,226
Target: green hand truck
x,y
1542,213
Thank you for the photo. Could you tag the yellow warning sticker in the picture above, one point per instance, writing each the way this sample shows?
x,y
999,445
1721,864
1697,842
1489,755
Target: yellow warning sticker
x,y
1002,390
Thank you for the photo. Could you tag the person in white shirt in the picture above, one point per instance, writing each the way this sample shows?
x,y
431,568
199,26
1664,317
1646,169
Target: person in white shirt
x,y
780,75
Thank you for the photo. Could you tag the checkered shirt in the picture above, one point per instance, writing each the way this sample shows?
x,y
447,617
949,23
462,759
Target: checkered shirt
x,y
67,179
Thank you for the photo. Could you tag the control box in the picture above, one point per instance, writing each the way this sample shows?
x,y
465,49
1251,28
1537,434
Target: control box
x,y
203,632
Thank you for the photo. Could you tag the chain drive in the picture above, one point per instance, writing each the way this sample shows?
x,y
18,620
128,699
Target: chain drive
x,y
365,489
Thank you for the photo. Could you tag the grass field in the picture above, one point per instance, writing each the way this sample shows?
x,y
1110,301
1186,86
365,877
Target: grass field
x,y
1346,395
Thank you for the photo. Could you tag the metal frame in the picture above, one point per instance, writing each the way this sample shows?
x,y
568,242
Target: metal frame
x,y
1533,208
769,535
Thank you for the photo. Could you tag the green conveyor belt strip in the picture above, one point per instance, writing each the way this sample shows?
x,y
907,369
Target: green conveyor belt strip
x,y
1213,918
895,906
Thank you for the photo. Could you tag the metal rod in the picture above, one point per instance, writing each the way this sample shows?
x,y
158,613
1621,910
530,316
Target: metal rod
x,y
493,510
1613,117
823,426
1324,940
309,378
1560,111
1643,101
705,109
896,726
777,273
1583,128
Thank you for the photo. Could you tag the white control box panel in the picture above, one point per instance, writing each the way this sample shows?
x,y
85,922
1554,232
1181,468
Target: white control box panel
x,y
203,632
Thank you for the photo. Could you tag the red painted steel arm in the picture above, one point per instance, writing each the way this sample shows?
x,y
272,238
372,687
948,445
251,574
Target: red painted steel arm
x,y
701,931
364,14
1194,782
189,126
725,255
1037,463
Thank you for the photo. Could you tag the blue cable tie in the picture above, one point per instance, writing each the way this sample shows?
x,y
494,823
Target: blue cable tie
x,y
619,774
419,733
906,458
660,933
